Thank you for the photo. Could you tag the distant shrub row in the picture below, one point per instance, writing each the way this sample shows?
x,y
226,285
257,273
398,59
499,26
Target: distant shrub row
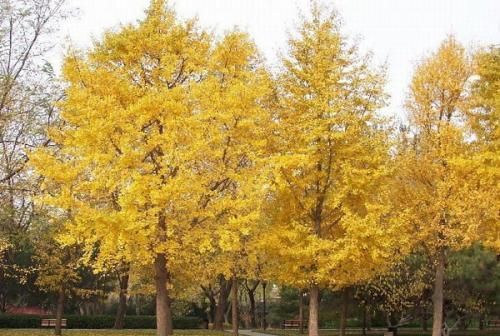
x,y
97,322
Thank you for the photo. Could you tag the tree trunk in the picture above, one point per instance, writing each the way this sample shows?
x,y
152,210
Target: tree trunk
x,y
59,312
368,318
234,306
122,303
220,309
163,310
343,313
301,311
209,293
264,312
3,302
438,296
424,318
211,312
314,310
226,314
251,298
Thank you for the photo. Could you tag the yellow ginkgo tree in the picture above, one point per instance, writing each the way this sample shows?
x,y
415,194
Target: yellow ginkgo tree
x,y
331,224
159,152
447,194
234,102
127,166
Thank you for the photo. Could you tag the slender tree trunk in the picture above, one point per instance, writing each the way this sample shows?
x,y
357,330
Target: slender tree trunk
x,y
163,310
227,320
264,312
209,293
251,298
424,319
3,302
59,312
211,312
314,310
122,303
343,313
234,306
368,318
438,296
301,311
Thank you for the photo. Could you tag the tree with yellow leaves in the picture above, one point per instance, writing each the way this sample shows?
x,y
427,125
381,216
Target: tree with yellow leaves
x,y
233,100
331,223
127,167
484,118
446,196
158,158
57,270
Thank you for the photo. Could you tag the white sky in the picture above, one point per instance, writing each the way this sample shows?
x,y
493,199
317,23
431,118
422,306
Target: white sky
x,y
399,31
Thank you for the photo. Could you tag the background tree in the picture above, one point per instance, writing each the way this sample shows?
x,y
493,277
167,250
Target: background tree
x,y
401,292
446,213
27,89
233,100
57,269
331,223
472,287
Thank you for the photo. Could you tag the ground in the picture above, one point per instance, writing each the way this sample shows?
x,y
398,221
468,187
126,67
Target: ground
x,y
380,332
38,332
69,332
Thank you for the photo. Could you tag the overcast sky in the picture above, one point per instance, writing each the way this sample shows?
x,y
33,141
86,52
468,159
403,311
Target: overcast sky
x,y
399,31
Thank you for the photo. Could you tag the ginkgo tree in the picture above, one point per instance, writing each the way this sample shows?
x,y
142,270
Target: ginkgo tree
x,y
162,134
447,194
234,103
331,223
126,166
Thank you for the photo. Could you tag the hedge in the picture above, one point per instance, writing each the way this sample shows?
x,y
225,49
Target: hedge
x,y
97,322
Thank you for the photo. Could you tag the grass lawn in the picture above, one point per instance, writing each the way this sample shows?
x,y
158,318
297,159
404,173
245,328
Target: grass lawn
x,y
277,332
380,332
69,332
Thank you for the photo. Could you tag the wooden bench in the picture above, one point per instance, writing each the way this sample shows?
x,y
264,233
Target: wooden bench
x,y
292,324
493,324
52,322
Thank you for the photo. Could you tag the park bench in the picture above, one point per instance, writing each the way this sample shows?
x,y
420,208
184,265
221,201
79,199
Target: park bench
x,y
52,322
493,324
292,324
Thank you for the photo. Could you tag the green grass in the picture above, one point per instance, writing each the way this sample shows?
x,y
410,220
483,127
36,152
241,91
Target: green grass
x,y
380,332
277,332
69,332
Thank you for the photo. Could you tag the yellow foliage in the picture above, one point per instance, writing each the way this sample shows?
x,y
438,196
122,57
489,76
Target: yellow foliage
x,y
162,145
331,225
446,193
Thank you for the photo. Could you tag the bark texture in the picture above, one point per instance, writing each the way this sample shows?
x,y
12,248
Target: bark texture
x,y
251,299
234,306
59,312
122,303
314,310
163,309
220,309
438,297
